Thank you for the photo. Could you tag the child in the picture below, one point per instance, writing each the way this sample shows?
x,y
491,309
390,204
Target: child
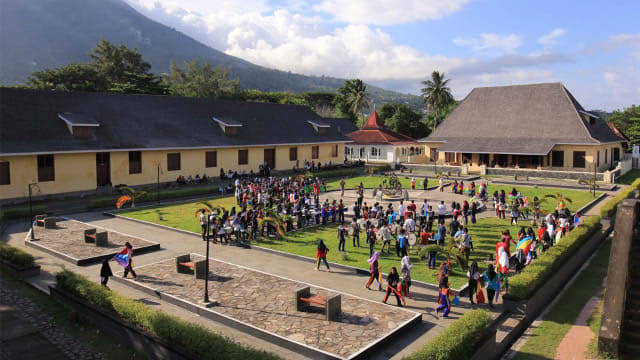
x,y
321,255
105,272
444,296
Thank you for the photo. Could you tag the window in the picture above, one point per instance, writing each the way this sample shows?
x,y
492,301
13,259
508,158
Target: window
x,y
5,178
211,159
598,158
135,162
433,155
579,159
374,151
315,152
484,159
293,153
334,151
606,156
616,154
46,171
449,157
466,158
557,158
173,161
347,151
243,157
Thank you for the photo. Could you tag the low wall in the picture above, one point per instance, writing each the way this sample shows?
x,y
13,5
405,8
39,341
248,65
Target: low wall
x,y
126,334
20,273
572,175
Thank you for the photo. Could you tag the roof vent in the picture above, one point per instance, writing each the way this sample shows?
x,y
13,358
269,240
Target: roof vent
x,y
228,125
319,126
589,117
79,125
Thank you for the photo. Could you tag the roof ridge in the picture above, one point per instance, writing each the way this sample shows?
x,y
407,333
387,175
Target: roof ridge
x,y
573,105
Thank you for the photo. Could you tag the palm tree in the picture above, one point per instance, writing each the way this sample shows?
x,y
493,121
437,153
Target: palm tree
x,y
357,97
560,199
592,183
437,94
132,196
536,205
276,220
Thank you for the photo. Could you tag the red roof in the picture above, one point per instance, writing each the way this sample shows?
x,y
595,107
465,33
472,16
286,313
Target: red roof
x,y
374,132
617,131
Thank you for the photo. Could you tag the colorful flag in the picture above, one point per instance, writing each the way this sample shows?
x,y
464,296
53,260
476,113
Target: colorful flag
x,y
122,259
524,245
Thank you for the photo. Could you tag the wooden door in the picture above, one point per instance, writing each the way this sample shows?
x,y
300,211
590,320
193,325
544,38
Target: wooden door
x,y
270,157
103,169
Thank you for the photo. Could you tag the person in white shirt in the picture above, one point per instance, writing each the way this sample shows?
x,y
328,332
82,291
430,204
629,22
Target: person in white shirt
x,y
401,210
203,224
442,210
410,224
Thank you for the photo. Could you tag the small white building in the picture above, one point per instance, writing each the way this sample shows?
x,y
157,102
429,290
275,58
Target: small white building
x,y
375,143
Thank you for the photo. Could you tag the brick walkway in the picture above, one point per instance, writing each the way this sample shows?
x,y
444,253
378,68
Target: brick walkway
x,y
28,333
267,302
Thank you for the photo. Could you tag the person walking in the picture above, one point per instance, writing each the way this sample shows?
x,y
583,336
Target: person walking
x,y
342,183
403,243
203,224
321,255
342,233
493,283
466,245
340,211
355,229
392,287
371,238
125,259
374,274
405,269
473,274
441,184
425,183
105,272
386,237
445,305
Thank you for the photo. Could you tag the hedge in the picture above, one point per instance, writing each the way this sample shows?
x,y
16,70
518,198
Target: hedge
x,y
192,337
522,285
338,173
459,340
609,208
17,257
20,212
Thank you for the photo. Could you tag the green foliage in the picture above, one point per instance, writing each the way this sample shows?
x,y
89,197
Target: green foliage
x,y
437,95
628,121
400,118
17,257
352,98
8,213
204,81
629,177
533,275
608,209
192,337
458,340
163,195
111,69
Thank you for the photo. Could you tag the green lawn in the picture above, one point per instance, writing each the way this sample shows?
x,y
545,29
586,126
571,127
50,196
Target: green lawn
x,y
547,336
629,177
579,198
485,233
374,181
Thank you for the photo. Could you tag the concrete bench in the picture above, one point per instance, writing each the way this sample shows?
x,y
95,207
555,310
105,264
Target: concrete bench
x,y
47,222
521,177
100,239
184,265
332,305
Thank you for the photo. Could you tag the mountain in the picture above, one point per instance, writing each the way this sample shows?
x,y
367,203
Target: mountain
x,y
38,34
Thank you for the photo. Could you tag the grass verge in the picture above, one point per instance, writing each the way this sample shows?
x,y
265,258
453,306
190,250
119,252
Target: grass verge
x,y
628,178
556,323
17,257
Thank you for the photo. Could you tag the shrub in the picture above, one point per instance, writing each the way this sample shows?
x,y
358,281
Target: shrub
x,y
338,173
163,195
522,285
17,257
608,209
457,341
195,338
8,213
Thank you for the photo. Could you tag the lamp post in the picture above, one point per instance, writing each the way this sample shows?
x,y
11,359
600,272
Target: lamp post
x,y
206,276
158,185
31,185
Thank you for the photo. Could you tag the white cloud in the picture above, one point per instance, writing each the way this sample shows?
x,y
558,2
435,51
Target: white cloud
x,y
551,38
388,12
491,43
610,76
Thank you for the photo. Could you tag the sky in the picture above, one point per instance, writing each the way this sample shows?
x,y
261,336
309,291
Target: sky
x,y
591,46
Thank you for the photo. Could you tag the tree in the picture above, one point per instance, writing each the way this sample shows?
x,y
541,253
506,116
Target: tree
x,y
132,196
110,69
353,98
400,118
204,81
592,183
437,95
561,200
628,121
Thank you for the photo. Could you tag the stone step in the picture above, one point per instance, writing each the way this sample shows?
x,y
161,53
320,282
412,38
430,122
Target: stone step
x,y
629,350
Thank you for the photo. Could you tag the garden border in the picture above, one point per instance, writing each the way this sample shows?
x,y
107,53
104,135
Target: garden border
x,y
300,348
20,273
89,260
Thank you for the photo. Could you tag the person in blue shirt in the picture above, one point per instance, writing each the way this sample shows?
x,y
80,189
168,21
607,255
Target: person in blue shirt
x,y
442,233
493,283
342,233
404,243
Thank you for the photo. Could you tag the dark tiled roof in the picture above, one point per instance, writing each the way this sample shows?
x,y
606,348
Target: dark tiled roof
x,y
533,115
342,125
374,132
29,122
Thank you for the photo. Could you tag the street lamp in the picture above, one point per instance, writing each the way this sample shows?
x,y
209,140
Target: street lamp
x,y
32,185
206,276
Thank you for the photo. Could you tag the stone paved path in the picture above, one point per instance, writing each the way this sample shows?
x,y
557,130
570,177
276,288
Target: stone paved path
x,y
28,333
267,302
575,342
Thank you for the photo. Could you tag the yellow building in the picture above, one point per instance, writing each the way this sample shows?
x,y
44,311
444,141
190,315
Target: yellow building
x,y
78,142
537,126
